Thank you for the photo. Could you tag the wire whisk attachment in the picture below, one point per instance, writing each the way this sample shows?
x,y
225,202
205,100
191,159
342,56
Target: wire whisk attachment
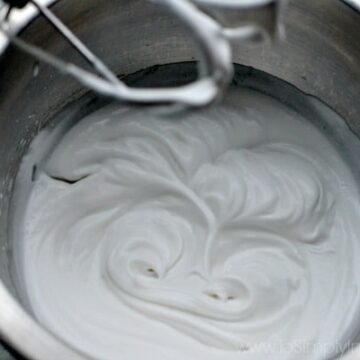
x,y
214,24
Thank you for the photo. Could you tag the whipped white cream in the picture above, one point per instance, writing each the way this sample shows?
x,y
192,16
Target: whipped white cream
x,y
230,233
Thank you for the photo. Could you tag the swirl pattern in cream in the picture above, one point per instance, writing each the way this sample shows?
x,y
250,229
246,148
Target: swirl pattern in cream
x,y
204,236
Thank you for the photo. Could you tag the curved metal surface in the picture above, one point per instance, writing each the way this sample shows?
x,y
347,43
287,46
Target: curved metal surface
x,y
320,56
354,3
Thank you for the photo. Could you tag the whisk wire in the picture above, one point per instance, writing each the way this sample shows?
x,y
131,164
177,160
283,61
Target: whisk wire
x,y
76,42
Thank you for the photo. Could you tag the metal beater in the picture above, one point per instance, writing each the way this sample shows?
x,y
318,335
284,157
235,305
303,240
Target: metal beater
x,y
214,24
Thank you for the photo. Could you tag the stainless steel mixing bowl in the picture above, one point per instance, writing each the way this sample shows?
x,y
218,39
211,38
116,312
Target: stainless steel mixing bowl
x,y
320,56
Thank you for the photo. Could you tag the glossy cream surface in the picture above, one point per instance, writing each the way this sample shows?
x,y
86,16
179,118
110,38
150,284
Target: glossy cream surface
x,y
230,233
